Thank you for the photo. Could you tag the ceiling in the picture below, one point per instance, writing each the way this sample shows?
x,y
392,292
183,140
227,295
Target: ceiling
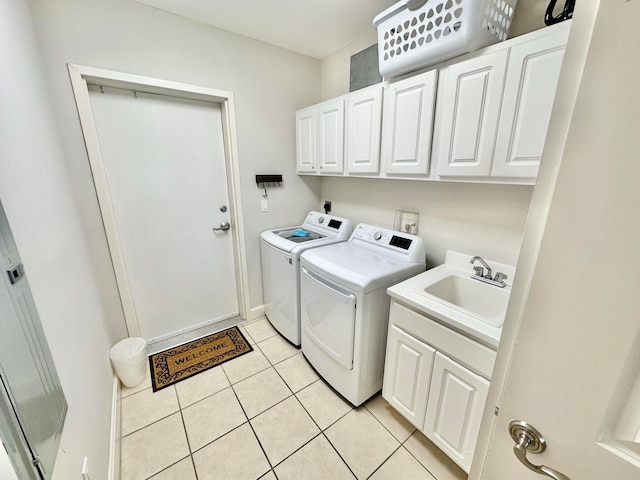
x,y
316,28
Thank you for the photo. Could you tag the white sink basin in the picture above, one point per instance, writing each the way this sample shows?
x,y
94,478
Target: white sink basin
x,y
448,294
487,302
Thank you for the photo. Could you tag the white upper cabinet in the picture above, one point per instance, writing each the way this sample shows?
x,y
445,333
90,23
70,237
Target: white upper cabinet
x,y
482,117
529,92
331,136
494,108
320,138
306,140
469,103
364,120
408,124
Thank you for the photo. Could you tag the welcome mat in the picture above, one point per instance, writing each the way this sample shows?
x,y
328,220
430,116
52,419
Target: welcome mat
x,y
189,359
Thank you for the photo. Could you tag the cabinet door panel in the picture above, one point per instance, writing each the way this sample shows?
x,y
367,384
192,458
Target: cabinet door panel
x,y
470,105
530,87
364,120
408,124
331,136
454,410
306,140
407,375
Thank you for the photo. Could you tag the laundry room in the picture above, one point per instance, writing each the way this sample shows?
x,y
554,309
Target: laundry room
x,y
80,157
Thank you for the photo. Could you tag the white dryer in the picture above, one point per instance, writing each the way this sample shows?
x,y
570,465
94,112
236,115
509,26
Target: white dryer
x,y
280,251
345,307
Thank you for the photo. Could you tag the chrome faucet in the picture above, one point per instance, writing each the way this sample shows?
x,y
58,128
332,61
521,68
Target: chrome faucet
x,y
497,281
479,271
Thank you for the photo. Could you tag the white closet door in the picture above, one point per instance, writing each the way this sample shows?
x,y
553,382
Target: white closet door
x,y
164,162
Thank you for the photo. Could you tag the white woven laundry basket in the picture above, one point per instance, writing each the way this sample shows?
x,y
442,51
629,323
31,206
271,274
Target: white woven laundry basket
x,y
417,33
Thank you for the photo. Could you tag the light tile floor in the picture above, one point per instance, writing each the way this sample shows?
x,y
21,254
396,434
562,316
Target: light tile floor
x,y
267,415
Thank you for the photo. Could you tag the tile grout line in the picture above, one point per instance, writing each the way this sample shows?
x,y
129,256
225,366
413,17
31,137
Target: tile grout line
x,y
338,453
385,461
186,434
385,427
255,435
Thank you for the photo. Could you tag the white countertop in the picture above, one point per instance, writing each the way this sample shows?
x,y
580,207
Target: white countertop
x,y
412,293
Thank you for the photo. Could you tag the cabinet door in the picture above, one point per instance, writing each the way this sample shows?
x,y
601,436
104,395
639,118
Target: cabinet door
x,y
408,124
306,140
364,121
454,410
407,374
530,88
470,104
331,136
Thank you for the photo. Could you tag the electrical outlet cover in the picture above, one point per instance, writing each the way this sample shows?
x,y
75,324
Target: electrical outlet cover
x,y
406,221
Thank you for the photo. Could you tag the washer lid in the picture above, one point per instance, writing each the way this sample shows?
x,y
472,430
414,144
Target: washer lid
x,y
358,267
323,229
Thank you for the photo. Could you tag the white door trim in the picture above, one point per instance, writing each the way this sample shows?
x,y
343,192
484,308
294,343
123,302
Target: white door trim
x,y
80,76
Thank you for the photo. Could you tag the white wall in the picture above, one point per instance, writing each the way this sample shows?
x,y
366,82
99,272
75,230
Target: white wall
x,y
6,469
36,195
478,219
269,84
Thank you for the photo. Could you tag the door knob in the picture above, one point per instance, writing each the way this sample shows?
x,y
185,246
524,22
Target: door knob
x,y
224,226
529,440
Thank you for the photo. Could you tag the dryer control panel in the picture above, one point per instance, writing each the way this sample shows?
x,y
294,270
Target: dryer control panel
x,y
400,242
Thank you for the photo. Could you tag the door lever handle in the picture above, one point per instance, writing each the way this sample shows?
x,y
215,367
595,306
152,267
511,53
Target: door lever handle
x,y
529,440
224,226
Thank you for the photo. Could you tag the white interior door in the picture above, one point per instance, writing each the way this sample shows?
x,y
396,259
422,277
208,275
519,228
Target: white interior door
x,y
576,365
32,403
164,163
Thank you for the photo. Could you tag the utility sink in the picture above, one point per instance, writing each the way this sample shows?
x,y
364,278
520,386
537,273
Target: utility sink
x,y
487,302
448,294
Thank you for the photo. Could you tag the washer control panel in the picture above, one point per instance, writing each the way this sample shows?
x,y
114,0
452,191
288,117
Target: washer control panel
x,y
330,225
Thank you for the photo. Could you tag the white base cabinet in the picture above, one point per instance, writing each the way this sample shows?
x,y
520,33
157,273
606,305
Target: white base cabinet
x,y
454,409
437,379
407,375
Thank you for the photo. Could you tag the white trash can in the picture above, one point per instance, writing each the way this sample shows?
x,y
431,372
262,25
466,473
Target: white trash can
x,y
129,359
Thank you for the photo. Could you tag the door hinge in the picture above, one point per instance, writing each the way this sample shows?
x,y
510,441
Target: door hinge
x,y
496,411
15,274
38,464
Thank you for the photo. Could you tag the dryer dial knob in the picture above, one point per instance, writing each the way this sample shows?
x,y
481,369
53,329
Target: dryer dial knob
x,y
377,235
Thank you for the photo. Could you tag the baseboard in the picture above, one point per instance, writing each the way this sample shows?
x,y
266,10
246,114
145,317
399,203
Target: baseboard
x,y
255,313
115,435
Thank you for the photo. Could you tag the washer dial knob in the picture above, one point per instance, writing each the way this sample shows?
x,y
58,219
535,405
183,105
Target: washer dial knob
x,y
377,235
321,220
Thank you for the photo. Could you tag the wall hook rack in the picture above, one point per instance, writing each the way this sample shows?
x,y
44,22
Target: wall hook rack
x,y
264,181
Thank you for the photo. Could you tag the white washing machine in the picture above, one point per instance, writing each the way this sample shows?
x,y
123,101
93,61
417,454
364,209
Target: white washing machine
x,y
280,251
345,307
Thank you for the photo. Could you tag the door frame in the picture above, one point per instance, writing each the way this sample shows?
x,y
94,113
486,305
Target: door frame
x,y
573,65
80,76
